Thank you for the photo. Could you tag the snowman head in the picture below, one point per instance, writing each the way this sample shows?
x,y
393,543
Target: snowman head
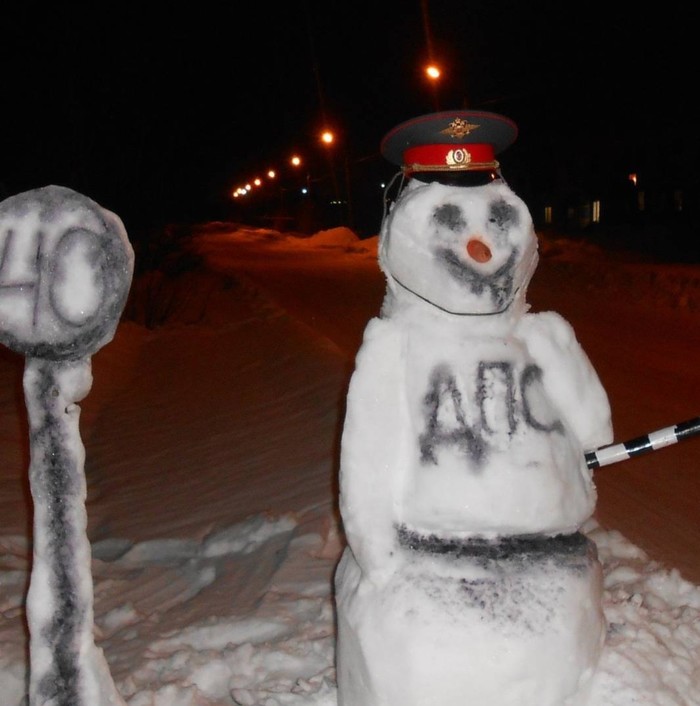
x,y
465,250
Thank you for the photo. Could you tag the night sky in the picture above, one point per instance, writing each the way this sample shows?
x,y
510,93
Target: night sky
x,y
159,117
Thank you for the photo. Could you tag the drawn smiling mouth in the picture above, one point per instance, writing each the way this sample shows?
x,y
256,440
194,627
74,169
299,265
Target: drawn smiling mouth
x,y
499,283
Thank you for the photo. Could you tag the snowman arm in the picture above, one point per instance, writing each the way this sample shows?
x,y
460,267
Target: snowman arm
x,y
568,377
368,456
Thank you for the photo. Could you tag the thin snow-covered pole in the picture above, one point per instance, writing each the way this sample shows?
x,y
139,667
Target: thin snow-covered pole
x,y
605,455
65,272
59,601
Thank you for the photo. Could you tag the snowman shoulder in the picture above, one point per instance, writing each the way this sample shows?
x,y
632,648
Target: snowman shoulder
x,y
568,376
382,342
375,382
547,329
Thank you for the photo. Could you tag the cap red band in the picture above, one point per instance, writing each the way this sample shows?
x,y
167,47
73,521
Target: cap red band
x,y
446,157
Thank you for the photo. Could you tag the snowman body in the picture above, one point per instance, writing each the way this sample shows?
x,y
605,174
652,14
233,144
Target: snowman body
x,y
463,480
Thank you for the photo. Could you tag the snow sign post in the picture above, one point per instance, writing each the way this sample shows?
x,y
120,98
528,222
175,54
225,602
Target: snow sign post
x,y
65,271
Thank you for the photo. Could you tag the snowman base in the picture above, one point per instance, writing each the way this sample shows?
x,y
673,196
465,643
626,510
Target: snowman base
x,y
510,622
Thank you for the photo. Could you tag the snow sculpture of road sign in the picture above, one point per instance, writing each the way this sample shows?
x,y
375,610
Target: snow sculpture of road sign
x,y
65,271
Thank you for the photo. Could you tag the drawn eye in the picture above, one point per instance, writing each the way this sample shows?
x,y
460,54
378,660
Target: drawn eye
x,y
503,214
450,216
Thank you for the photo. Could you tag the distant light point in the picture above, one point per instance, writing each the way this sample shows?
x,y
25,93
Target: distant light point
x,y
432,72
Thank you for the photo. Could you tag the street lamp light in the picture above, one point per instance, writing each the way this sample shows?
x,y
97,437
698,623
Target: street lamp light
x,y
433,72
327,138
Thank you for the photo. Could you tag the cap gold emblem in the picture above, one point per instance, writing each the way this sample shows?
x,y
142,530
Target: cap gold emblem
x,y
458,158
458,128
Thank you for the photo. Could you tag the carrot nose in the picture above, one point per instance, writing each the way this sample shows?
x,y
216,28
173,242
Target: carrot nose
x,y
478,250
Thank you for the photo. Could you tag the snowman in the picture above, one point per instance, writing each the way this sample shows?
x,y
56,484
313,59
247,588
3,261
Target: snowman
x,y
463,483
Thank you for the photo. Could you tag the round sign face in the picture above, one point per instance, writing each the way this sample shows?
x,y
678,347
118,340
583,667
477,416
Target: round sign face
x,y
65,271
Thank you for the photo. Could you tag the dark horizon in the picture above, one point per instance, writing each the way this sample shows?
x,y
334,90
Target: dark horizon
x,y
159,119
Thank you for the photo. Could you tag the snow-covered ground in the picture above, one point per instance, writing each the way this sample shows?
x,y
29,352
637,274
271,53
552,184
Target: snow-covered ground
x,y
212,433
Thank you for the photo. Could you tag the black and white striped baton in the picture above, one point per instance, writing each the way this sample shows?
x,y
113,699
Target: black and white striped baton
x,y
605,455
